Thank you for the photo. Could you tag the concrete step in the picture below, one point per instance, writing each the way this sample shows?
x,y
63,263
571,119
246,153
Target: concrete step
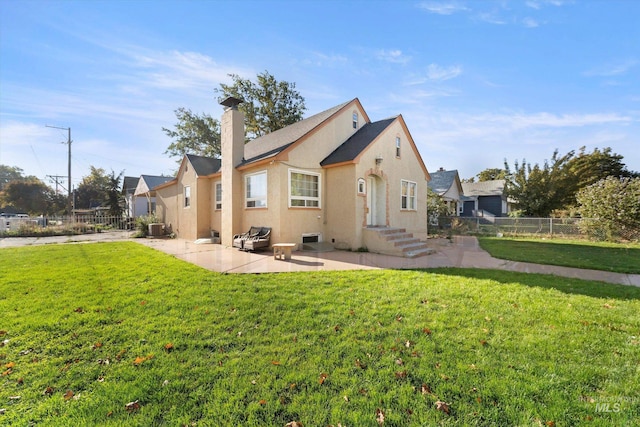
x,y
419,252
413,246
404,241
397,236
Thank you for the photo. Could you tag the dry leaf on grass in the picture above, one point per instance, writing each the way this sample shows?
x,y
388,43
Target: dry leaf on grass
x,y
442,406
323,377
380,416
132,406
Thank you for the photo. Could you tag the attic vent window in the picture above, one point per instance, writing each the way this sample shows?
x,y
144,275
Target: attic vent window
x,y
355,120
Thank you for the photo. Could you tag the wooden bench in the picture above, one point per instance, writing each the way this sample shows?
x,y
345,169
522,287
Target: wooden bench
x,y
283,250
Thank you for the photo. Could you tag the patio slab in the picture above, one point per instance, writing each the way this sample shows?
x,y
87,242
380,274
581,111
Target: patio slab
x,y
461,251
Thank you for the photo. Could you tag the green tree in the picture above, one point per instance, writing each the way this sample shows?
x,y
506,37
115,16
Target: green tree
x,y
491,174
611,208
193,134
436,207
99,189
589,168
12,173
32,196
268,104
539,190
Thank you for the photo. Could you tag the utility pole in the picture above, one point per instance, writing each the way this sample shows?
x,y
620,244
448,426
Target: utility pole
x,y
70,201
56,178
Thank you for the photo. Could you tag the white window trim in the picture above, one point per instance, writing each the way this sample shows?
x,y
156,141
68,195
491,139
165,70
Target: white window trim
x,y
186,203
218,202
415,195
253,199
364,186
319,198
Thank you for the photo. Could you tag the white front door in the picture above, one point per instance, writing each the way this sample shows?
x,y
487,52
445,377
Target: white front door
x,y
371,200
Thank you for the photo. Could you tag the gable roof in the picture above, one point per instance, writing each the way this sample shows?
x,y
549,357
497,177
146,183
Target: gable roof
x,y
484,188
442,181
129,184
204,165
149,182
273,143
352,147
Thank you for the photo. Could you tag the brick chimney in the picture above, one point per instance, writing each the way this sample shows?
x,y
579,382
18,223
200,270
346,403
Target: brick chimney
x,y
232,153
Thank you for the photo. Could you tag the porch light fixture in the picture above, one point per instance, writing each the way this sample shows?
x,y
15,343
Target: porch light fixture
x,y
378,160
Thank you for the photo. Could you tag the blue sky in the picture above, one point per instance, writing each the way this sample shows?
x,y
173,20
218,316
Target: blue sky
x,y
477,82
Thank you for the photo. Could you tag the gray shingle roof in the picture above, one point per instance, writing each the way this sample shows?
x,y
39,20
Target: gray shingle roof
x,y
441,181
484,188
129,184
204,165
153,181
275,142
352,147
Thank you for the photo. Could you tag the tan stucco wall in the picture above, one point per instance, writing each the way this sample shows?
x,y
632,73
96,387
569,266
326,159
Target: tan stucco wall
x,y
395,169
166,207
343,208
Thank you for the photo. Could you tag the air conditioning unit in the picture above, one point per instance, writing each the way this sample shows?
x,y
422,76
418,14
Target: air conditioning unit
x,y
156,229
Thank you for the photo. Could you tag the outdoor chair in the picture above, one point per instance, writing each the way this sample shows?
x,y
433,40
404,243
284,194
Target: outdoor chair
x,y
239,239
259,241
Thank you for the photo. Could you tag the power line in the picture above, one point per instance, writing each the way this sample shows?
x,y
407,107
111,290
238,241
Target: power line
x,y
70,202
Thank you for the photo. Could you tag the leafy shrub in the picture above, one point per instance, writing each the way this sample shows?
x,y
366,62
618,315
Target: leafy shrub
x,y
142,224
611,208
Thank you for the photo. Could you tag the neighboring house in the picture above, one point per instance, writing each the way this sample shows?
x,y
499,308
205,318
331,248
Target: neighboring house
x,y
446,184
334,177
133,206
143,201
484,199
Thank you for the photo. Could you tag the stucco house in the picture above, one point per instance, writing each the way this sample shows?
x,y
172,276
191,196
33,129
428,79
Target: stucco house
x,y
447,185
484,199
334,177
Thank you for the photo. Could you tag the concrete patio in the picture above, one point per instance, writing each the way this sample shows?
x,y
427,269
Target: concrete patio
x,y
461,251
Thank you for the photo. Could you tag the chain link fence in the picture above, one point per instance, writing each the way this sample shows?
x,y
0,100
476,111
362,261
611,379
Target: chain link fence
x,y
506,226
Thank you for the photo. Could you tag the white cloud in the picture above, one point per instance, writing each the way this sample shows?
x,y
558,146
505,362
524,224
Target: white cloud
x,y
442,8
491,18
438,73
395,56
613,69
530,23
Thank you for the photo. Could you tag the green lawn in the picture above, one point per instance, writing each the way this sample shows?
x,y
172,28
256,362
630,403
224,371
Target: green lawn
x,y
119,334
616,257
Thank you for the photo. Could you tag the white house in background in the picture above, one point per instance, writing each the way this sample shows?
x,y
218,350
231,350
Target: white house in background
x,y
139,194
447,185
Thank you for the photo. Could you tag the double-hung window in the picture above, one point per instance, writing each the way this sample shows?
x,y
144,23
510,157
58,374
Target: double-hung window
x,y
304,189
397,146
408,198
218,195
256,190
187,196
